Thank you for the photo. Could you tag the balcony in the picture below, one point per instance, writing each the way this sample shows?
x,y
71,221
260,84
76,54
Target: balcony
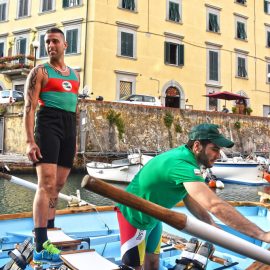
x,y
17,66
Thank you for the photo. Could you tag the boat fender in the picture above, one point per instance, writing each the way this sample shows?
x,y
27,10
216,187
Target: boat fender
x,y
204,252
187,255
212,183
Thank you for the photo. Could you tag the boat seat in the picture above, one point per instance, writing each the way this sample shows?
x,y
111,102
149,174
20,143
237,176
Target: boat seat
x,y
62,240
83,259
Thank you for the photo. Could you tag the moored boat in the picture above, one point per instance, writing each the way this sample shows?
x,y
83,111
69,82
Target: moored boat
x,y
236,170
120,170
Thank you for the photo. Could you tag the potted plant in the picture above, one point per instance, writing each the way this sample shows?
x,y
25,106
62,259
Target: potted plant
x,y
234,109
248,110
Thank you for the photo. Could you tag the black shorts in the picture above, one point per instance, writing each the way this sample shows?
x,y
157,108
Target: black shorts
x,y
55,134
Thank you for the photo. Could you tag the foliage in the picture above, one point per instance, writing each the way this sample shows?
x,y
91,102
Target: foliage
x,y
233,109
8,59
115,119
178,128
248,110
3,109
168,119
237,125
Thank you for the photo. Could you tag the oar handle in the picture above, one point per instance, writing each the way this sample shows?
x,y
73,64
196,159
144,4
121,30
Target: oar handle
x,y
172,218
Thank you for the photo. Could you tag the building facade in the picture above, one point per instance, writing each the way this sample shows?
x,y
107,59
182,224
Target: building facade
x,y
177,50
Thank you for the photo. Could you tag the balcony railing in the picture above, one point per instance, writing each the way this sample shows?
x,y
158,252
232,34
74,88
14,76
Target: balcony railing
x,y
17,65
16,62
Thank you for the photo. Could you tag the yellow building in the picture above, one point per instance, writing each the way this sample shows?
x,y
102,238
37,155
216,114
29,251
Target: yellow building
x,y
178,50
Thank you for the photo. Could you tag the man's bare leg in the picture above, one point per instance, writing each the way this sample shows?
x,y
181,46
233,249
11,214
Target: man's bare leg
x,y
151,261
62,175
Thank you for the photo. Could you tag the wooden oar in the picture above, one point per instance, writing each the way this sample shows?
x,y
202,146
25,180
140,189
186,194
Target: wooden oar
x,y
179,221
72,200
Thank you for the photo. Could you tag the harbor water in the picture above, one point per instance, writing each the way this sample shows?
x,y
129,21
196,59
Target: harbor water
x,y
14,198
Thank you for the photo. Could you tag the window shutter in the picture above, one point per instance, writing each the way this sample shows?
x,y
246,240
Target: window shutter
x,y
180,55
2,49
213,66
25,11
68,38
65,3
74,40
216,26
268,78
3,12
265,6
268,39
174,14
126,44
167,52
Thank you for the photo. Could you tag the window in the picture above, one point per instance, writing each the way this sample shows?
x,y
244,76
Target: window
x,y
174,54
23,8
241,67
241,30
213,66
125,83
3,10
212,103
243,2
47,5
2,49
71,3
42,50
127,42
268,73
72,41
213,21
125,88
174,10
128,4
21,44
267,6
268,39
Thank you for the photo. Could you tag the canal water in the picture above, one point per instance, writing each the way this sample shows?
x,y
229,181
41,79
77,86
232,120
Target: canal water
x,y
14,198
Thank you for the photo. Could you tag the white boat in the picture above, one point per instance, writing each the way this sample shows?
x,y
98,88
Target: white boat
x,y
237,170
120,170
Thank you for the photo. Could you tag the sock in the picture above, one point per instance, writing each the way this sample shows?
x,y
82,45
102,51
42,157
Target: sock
x,y
50,224
41,237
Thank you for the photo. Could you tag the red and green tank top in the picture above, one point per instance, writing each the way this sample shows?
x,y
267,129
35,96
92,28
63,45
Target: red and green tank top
x,y
61,91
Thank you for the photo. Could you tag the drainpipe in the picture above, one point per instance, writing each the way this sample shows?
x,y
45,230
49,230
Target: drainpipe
x,y
255,46
85,41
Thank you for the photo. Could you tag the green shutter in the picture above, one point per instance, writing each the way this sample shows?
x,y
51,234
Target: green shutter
x,y
126,44
65,3
268,39
174,14
167,52
180,55
72,40
265,6
213,66
1,49
42,50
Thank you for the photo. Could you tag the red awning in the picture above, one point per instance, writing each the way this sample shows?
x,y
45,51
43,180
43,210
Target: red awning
x,y
226,95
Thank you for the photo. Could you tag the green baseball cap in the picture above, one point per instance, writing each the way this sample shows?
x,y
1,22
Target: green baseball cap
x,y
209,132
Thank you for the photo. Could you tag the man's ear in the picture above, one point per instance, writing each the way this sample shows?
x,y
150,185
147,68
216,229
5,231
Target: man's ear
x,y
197,147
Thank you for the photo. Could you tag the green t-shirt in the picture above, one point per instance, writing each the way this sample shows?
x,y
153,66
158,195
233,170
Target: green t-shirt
x,y
161,181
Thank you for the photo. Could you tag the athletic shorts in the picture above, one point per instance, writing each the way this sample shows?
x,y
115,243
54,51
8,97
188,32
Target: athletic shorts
x,y
55,134
135,242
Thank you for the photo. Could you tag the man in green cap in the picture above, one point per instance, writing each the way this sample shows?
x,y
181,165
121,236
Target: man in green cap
x,y
171,177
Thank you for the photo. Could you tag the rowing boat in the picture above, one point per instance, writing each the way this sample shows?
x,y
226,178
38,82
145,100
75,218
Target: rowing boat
x,y
96,227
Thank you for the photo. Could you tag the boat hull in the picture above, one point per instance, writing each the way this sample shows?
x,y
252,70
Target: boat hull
x,y
101,228
238,173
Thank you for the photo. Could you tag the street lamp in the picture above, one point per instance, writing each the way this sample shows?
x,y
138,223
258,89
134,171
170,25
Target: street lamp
x,y
153,79
35,44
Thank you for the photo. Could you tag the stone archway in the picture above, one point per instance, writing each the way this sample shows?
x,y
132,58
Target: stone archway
x,y
173,95
172,98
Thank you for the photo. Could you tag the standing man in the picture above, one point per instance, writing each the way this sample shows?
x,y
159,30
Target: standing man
x,y
167,179
51,138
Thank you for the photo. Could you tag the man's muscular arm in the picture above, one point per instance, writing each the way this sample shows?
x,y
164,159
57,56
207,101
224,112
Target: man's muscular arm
x,y
31,94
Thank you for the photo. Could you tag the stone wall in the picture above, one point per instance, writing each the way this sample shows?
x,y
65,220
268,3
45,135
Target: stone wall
x,y
144,128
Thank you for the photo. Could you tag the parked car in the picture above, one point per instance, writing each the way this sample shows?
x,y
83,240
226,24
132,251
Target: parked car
x,y
140,99
10,96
